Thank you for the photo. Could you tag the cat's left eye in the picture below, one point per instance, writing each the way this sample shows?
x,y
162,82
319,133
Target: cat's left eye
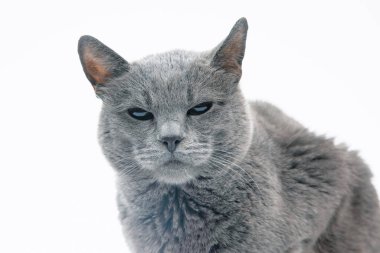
x,y
200,109
140,114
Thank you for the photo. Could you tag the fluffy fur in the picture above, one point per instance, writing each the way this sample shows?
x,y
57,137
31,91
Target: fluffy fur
x,y
245,177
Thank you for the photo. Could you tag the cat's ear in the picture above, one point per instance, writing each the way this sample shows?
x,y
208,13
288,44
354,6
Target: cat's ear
x,y
100,63
230,53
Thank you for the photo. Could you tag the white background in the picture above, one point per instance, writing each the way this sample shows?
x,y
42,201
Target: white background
x,y
317,60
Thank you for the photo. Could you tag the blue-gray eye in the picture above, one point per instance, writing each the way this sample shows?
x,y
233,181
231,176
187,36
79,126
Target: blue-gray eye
x,y
200,109
140,114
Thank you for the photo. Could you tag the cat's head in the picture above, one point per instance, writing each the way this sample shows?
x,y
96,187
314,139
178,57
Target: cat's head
x,y
173,116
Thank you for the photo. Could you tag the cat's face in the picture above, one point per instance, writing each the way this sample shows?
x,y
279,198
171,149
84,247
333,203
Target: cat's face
x,y
176,115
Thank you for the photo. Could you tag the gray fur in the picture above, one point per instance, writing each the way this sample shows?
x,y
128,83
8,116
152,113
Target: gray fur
x,y
250,179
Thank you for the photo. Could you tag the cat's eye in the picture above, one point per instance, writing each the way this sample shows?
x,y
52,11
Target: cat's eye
x,y
140,114
200,109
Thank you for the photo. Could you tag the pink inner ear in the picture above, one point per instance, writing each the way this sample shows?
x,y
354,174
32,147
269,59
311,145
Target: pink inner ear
x,y
95,67
232,52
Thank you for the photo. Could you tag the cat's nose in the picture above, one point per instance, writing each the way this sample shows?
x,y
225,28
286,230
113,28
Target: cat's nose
x,y
171,142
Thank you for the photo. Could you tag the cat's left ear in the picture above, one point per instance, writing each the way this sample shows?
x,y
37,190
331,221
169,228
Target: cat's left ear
x,y
230,53
99,62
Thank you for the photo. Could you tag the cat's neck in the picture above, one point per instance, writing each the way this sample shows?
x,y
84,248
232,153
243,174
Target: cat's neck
x,y
202,195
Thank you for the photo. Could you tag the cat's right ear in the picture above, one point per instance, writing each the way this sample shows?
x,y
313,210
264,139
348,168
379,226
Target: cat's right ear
x,y
100,63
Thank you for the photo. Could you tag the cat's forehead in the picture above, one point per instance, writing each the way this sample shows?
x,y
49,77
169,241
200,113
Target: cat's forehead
x,y
171,59
174,64
174,77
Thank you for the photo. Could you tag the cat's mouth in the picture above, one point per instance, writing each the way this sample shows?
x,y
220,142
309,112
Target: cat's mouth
x,y
179,160
174,170
173,162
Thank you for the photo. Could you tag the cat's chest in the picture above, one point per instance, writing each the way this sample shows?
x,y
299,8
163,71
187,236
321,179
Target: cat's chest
x,y
178,213
201,219
172,213
177,220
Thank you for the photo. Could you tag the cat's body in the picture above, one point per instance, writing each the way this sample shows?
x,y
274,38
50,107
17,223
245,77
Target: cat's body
x,y
233,176
307,198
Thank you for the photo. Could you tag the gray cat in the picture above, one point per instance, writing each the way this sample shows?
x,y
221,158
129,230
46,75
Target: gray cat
x,y
202,170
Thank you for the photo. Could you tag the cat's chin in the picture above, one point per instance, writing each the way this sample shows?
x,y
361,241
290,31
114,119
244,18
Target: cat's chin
x,y
174,172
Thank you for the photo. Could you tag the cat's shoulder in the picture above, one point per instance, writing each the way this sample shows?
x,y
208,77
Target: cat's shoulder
x,y
285,131
274,120
296,141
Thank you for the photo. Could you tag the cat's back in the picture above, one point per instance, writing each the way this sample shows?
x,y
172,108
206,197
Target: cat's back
x,y
317,174
298,148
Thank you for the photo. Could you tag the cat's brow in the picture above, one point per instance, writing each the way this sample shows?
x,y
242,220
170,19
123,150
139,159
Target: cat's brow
x,y
147,98
189,94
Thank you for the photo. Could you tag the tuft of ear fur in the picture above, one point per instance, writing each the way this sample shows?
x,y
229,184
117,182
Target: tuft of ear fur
x,y
100,63
230,53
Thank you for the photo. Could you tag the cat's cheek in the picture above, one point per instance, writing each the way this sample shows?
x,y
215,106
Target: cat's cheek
x,y
144,156
204,159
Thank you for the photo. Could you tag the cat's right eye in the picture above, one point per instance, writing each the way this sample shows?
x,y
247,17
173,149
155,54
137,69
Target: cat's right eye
x,y
140,114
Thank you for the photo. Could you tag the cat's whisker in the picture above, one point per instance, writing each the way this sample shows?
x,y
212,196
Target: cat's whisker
x,y
222,166
235,176
243,170
187,174
127,171
218,167
202,153
227,154
122,160
224,151
129,166
219,173
221,170
236,165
